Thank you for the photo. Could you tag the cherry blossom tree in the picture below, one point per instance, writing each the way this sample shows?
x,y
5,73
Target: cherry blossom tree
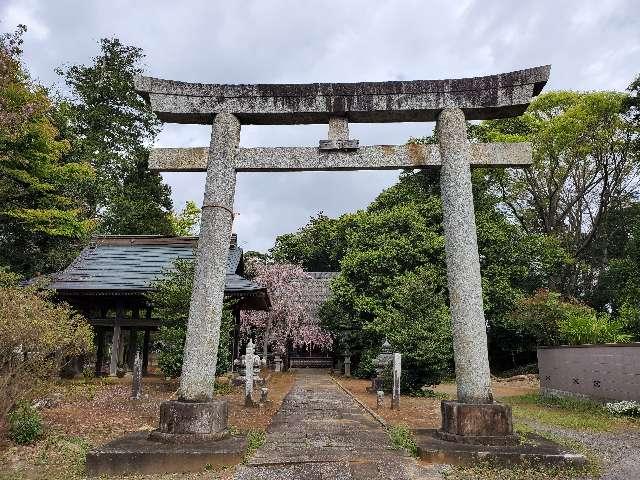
x,y
291,317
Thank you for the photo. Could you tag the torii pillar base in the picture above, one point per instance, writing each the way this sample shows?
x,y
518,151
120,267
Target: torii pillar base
x,y
193,436
191,422
477,424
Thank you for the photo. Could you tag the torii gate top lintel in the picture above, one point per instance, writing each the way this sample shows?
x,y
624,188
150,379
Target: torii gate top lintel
x,y
338,104
493,96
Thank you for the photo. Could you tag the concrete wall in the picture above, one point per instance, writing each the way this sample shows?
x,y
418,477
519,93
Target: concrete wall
x,y
601,372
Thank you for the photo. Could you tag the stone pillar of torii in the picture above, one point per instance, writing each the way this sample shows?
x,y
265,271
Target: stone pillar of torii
x,y
448,102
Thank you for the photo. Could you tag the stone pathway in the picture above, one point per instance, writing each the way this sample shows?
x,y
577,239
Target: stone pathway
x,y
321,433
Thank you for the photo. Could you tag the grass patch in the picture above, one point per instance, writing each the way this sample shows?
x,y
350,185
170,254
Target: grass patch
x,y
402,438
55,457
255,439
223,388
429,393
487,471
567,412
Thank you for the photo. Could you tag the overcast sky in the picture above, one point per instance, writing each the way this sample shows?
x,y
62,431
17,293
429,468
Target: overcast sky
x,y
591,45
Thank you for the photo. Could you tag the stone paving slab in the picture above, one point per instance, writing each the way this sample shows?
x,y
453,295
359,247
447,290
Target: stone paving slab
x,y
320,433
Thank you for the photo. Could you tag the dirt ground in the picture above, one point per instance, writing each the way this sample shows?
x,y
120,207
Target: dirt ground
x,y
511,387
422,412
84,414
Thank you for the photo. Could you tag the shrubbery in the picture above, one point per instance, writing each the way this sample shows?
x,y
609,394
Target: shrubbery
x,y
25,424
547,319
37,337
171,297
625,407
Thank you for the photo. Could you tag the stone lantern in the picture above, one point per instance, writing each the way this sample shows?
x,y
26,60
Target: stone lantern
x,y
384,359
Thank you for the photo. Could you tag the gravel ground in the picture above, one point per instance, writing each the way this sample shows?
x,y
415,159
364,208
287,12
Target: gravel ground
x,y
619,451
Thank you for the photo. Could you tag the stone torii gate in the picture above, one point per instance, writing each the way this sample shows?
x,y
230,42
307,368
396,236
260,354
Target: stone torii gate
x,y
474,415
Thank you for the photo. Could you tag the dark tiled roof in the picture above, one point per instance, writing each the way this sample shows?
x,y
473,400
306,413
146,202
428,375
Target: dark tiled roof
x,y
316,289
120,263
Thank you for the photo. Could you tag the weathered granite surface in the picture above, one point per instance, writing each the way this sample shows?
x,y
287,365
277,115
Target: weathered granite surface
x,y
463,264
534,450
191,422
135,453
493,96
376,157
321,432
477,424
205,313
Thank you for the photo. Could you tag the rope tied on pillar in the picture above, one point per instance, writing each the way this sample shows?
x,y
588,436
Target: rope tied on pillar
x,y
219,206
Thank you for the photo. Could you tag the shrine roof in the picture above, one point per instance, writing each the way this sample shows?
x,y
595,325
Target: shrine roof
x,y
317,289
125,263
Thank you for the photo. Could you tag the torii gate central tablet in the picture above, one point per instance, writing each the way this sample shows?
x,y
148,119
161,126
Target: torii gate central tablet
x,y
448,102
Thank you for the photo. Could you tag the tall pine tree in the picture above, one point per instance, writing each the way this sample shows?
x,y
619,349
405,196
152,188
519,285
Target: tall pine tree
x,y
113,130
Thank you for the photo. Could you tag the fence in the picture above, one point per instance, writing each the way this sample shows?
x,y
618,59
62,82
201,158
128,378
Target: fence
x,y
600,372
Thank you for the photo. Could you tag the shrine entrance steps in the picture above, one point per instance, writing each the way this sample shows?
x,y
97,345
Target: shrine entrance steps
x,y
321,433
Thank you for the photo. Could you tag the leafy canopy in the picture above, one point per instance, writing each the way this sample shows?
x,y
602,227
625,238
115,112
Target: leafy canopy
x,y
171,296
113,128
42,209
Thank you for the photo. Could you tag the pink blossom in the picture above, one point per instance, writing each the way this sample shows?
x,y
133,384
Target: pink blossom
x,y
291,316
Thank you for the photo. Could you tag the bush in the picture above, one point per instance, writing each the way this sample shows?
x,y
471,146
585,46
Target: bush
x,y
171,297
37,338
548,319
25,424
592,328
417,324
625,407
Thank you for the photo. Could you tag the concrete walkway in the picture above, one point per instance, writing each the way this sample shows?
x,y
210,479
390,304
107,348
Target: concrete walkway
x,y
321,433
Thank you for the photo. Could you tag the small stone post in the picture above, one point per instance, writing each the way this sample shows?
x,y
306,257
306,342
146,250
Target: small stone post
x,y
136,386
463,265
278,363
379,399
397,372
248,374
264,391
115,349
347,365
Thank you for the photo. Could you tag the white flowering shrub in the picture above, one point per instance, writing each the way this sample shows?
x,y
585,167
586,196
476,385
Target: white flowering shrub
x,y
625,407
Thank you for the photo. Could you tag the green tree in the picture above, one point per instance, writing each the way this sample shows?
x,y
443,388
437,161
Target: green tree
x,y
317,247
397,244
186,222
43,215
584,163
113,129
171,296
546,319
37,338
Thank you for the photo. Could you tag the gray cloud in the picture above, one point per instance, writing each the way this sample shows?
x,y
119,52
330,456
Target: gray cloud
x,y
591,45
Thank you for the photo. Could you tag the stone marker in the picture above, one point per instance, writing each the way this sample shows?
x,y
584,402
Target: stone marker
x,y
397,372
251,361
347,365
278,363
379,399
136,385
264,391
